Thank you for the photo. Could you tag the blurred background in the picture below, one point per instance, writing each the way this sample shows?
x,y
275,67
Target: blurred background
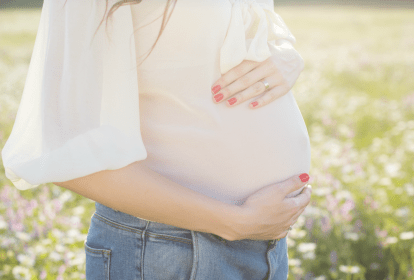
x,y
382,3
356,95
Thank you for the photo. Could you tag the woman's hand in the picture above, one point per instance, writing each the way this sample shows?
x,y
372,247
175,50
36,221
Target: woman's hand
x,y
243,82
269,212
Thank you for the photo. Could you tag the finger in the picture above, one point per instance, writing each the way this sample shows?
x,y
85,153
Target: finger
x,y
270,96
292,222
245,81
264,70
295,217
233,74
300,201
252,91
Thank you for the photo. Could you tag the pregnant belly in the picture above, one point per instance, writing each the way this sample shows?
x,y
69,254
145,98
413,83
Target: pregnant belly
x,y
235,153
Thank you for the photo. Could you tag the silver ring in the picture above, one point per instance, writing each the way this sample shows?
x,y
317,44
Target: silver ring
x,y
266,84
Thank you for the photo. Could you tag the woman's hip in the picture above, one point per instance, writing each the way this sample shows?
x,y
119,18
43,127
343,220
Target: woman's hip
x,y
121,246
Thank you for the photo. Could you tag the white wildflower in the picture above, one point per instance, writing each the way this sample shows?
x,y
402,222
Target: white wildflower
x,y
391,240
59,248
407,235
68,240
46,241
57,233
334,148
7,268
300,222
55,256
309,255
77,211
347,168
306,247
6,242
383,158
70,255
349,269
76,234
295,262
409,188
387,209
77,275
321,191
3,224
402,212
297,233
23,236
385,181
297,270
351,235
39,249
313,211
20,272
344,194
41,217
25,260
75,221
80,260
393,169
376,144
65,196
10,254
382,195
373,178
49,210
398,190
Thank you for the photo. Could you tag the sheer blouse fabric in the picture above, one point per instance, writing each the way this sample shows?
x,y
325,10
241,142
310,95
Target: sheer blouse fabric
x,y
86,107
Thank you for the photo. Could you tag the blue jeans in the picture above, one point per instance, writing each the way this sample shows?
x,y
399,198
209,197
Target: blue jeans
x,y
123,247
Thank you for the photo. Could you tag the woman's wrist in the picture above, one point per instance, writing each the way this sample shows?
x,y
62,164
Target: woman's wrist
x,y
233,222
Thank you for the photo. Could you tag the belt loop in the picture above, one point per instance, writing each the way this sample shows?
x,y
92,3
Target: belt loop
x,y
144,232
194,266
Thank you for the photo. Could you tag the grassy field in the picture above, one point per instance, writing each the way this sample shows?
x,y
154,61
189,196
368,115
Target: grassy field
x,y
356,95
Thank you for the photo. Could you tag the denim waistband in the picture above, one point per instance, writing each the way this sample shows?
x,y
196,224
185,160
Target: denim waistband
x,y
132,221
151,226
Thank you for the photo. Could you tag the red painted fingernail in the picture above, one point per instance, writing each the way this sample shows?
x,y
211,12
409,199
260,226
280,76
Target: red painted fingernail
x,y
218,97
232,100
254,104
215,89
304,177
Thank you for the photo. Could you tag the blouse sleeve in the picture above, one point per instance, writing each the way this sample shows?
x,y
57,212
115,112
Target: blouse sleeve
x,y
254,30
79,111
288,38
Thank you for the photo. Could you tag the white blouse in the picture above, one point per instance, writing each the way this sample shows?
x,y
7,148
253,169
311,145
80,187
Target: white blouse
x,y
87,107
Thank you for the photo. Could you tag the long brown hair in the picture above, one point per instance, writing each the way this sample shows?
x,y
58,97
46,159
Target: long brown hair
x,y
132,2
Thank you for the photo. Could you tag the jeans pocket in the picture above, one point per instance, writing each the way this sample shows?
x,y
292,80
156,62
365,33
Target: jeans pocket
x,y
97,263
167,257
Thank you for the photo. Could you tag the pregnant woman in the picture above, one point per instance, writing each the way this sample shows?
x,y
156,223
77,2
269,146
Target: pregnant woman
x,y
177,119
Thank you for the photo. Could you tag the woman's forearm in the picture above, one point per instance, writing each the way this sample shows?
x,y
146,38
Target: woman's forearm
x,y
141,192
